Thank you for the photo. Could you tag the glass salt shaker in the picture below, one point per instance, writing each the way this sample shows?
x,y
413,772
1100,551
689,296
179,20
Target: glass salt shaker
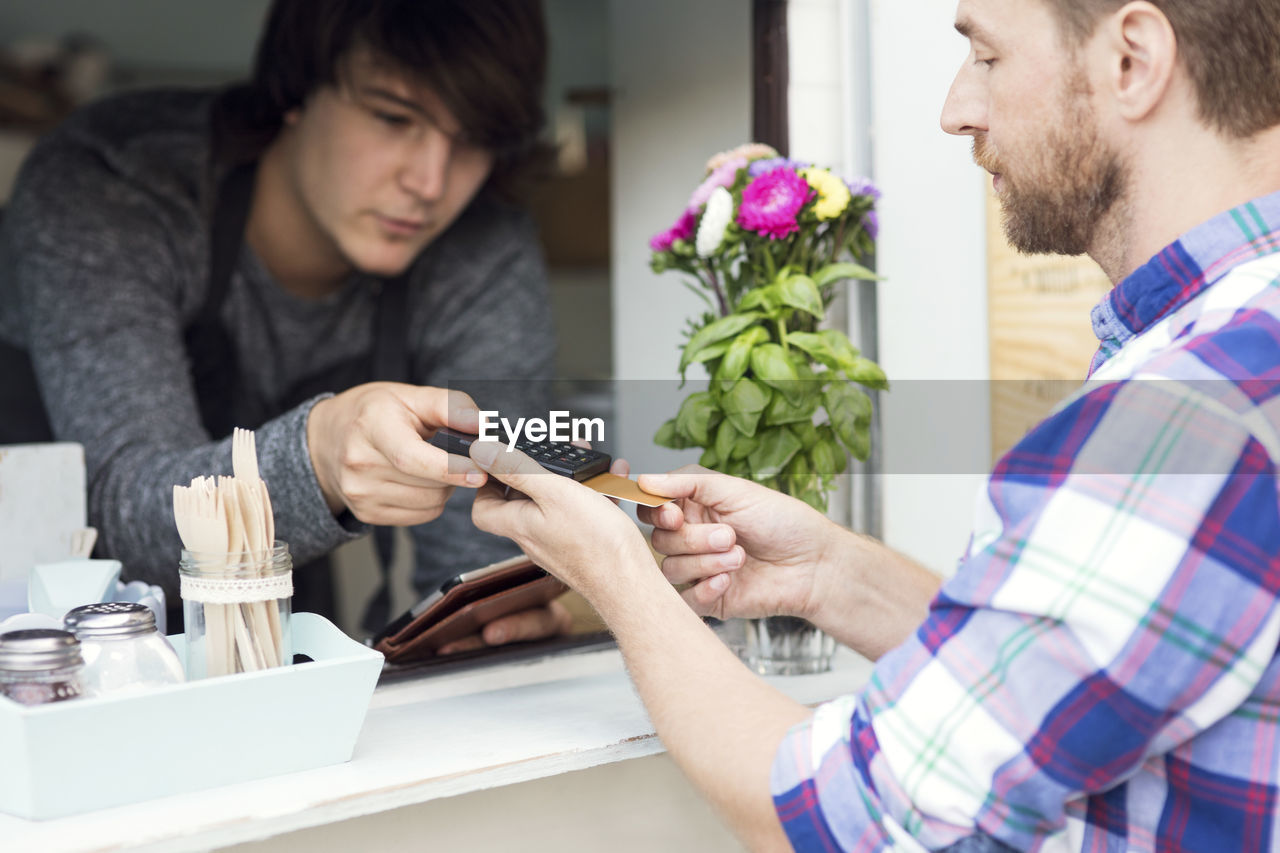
x,y
40,665
123,652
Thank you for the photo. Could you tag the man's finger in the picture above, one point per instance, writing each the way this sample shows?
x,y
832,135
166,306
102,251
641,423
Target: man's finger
x,y
695,539
439,407
669,516
688,567
532,624
466,644
493,513
513,468
680,483
706,598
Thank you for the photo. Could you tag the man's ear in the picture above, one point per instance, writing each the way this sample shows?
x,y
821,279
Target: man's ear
x,y
1142,55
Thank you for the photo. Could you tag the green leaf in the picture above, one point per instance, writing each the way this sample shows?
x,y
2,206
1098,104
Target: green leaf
x,y
714,332
783,411
694,418
827,457
860,443
846,353
832,459
801,293
799,471
668,436
835,272
744,447
727,436
817,346
827,436
709,353
866,372
744,403
850,413
771,365
761,297
738,355
738,468
709,459
806,432
777,446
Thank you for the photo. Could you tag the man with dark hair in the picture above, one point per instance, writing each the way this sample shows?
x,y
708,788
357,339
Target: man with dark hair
x,y
317,255
1101,673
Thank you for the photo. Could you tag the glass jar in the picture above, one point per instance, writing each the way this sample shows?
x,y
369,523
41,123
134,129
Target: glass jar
x,y
40,665
786,645
122,650
236,608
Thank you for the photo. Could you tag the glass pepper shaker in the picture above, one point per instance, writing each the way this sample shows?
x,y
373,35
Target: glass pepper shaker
x,y
122,650
40,665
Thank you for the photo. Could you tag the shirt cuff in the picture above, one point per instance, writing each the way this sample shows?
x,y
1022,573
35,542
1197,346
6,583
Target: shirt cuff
x,y
821,796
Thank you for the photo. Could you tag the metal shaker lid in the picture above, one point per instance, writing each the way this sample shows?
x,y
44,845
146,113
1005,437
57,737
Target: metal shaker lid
x,y
110,620
39,650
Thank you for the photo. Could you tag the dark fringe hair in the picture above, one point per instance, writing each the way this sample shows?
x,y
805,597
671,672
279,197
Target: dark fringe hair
x,y
486,60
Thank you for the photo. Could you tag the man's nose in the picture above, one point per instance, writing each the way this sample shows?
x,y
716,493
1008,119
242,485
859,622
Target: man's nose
x,y
425,172
965,110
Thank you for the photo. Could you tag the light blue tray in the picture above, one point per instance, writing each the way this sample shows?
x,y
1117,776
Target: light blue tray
x,y
86,754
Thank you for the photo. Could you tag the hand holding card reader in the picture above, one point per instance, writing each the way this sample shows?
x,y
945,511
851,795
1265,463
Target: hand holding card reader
x,y
558,457
589,467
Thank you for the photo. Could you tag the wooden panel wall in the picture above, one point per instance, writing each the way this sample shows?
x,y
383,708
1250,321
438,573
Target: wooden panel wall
x,y
1038,313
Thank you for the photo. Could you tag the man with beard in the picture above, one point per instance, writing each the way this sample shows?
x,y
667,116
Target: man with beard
x,y
1101,672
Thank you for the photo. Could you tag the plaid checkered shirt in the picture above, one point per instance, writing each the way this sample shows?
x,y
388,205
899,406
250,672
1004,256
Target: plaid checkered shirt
x,y
1101,672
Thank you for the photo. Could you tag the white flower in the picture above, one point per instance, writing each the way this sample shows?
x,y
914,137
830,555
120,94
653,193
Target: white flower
x,y
715,219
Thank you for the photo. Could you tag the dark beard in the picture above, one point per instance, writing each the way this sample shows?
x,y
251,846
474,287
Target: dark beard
x,y
1077,182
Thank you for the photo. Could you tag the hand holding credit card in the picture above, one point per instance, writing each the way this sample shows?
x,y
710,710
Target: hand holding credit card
x,y
589,467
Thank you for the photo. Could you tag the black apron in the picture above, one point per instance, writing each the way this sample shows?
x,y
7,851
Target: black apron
x,y
225,402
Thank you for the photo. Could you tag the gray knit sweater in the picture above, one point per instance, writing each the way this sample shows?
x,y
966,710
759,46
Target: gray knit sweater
x,y
104,263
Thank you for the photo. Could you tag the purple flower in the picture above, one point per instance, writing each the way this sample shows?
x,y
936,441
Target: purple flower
x,y
871,222
870,219
863,186
759,167
682,230
771,202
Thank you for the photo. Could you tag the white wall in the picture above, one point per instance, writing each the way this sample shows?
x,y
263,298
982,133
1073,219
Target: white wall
x,y
204,36
682,78
932,306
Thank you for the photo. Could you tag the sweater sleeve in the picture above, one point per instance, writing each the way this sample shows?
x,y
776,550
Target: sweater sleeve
x,y
108,274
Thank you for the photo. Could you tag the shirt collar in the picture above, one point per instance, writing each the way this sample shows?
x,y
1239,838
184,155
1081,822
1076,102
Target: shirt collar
x,y
1185,268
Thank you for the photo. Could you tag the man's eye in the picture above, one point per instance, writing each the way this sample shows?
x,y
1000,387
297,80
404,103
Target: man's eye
x,y
986,63
392,119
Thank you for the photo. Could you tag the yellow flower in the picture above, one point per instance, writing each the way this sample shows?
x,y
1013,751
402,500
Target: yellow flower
x,y
833,194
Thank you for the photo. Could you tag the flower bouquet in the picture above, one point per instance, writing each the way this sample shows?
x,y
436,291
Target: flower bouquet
x,y
766,241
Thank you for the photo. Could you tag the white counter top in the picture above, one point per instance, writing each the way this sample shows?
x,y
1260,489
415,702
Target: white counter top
x,y
436,737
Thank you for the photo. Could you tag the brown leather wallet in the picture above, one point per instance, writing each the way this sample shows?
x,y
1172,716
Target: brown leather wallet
x,y
464,604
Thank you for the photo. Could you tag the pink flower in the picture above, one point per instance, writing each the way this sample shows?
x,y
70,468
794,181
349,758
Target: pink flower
x,y
771,202
750,151
682,230
721,176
